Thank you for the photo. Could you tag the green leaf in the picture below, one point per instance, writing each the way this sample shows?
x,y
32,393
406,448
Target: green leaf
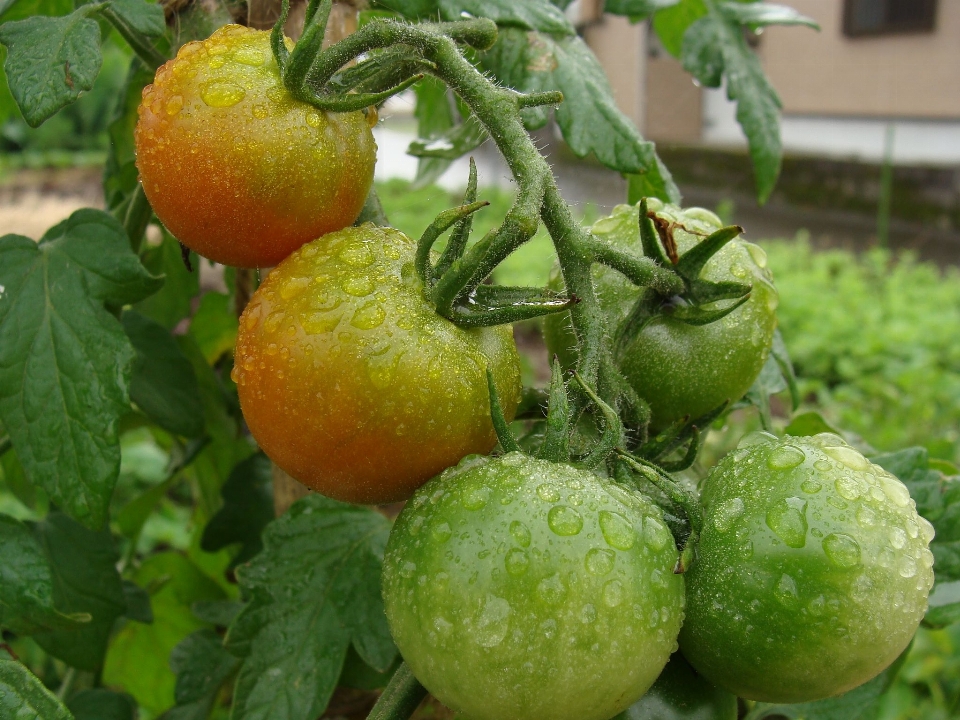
x,y
938,500
314,590
138,603
64,360
809,423
214,326
202,666
120,172
85,580
50,61
141,16
637,9
26,583
247,509
714,46
163,384
769,382
681,694
463,138
658,184
102,704
944,607
758,14
137,659
539,15
671,23
22,695
173,301
434,113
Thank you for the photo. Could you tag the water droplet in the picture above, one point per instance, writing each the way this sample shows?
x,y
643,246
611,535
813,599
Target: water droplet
x,y
313,119
616,530
548,628
912,528
926,558
548,493
493,622
786,591
517,561
848,456
474,496
222,94
564,520
898,538
828,439
655,534
357,285
319,322
174,105
866,517
612,593
727,513
293,287
599,561
758,254
520,533
848,487
785,457
788,520
822,465
817,606
408,569
758,437
738,270
861,588
357,255
895,490
746,550
811,486
260,111
926,529
368,316
837,502
247,55
416,524
907,567
842,550
441,532
551,590
588,614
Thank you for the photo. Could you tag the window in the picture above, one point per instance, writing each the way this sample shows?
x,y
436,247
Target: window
x,y
882,17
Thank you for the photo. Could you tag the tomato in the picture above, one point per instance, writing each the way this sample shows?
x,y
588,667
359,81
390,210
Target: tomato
x,y
681,369
351,382
525,589
236,168
812,571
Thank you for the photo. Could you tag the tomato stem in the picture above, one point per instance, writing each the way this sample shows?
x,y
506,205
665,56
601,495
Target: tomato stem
x,y
400,698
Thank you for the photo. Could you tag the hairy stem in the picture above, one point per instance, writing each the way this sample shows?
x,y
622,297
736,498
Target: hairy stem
x,y
400,698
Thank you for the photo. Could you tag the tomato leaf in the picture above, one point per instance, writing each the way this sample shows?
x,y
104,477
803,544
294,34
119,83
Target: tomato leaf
x,y
85,580
714,47
201,665
758,14
671,23
434,113
172,303
102,704
539,15
247,509
163,384
214,326
50,61
22,695
944,608
65,362
314,590
809,423
141,16
460,140
138,603
680,694
26,583
636,10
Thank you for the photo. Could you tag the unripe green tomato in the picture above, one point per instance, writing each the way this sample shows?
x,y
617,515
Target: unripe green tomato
x,y
680,369
812,571
521,589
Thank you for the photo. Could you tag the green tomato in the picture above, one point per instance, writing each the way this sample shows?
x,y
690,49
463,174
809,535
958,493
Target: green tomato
x,y
524,589
812,571
681,370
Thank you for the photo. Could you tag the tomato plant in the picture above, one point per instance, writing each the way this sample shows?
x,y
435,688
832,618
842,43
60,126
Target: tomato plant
x,y
812,573
238,169
512,584
351,382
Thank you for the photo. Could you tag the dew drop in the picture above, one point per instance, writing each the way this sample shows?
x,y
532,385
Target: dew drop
x,y
493,622
788,520
357,255
474,496
357,285
368,316
866,517
786,591
898,538
222,94
907,567
842,550
588,614
811,486
861,588
727,513
612,593
293,287
551,590
616,530
655,534
408,569
564,520
548,493
441,532
926,529
313,119
599,561
319,322
785,457
520,533
848,456
517,561
895,490
822,465
817,606
174,105
758,254
847,487
758,437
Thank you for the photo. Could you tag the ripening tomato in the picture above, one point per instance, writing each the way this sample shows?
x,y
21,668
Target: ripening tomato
x,y
351,382
812,570
236,168
522,589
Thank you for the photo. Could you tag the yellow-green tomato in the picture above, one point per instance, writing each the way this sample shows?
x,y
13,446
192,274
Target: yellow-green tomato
x,y
523,589
680,369
351,382
812,572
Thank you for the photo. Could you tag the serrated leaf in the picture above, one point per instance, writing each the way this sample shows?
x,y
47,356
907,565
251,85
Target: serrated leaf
x,y
681,694
434,113
539,15
938,500
658,184
769,382
201,665
217,612
463,138
671,23
314,590
120,173
65,362
714,45
172,303
141,16
50,61
759,14
163,384
780,353
247,509
22,695
102,704
809,423
215,325
138,655
26,583
636,9
138,603
85,580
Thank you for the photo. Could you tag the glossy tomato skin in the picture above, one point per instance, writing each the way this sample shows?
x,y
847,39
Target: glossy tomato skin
x,y
524,589
351,382
236,168
812,572
681,369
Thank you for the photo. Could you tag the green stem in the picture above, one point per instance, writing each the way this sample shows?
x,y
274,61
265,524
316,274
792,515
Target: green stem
x,y
677,494
400,698
137,217
69,677
150,56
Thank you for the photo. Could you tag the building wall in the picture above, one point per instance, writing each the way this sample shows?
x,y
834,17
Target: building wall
x,y
673,102
621,49
888,76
